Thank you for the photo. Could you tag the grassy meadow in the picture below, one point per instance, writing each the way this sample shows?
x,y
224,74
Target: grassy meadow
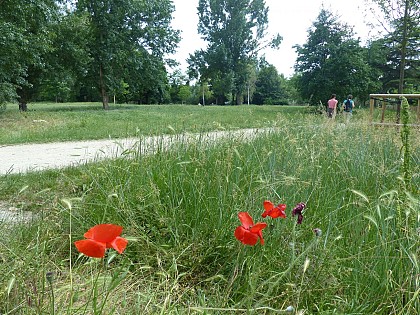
x,y
179,209
48,122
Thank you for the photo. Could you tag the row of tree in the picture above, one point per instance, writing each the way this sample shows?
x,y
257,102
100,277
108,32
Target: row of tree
x,y
81,49
90,50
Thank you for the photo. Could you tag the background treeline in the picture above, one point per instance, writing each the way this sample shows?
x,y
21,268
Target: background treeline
x,y
100,50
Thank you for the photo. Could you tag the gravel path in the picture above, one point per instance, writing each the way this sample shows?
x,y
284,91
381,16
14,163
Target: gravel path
x,y
36,157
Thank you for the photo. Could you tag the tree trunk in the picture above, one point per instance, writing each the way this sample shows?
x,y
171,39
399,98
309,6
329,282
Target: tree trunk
x,y
23,107
104,94
23,99
239,98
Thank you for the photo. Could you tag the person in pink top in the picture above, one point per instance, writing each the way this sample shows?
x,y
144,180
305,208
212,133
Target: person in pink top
x,y
332,105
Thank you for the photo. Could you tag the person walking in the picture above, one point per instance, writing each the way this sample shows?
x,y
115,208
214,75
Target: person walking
x,y
332,106
348,106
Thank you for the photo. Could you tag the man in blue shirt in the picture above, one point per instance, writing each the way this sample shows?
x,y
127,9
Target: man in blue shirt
x,y
348,105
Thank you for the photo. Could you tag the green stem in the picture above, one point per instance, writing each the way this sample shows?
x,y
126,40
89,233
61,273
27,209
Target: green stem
x,y
52,298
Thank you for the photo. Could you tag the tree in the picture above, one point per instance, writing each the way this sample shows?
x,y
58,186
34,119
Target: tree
x,y
291,90
24,43
68,59
147,77
331,61
124,32
184,93
402,42
177,79
235,32
402,26
267,87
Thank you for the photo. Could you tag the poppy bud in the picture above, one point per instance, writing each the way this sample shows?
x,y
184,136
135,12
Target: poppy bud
x,y
318,232
50,277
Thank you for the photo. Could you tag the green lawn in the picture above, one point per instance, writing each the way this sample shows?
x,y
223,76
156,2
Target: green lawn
x,y
81,121
179,210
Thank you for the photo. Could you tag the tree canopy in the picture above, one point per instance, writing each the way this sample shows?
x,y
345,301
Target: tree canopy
x,y
331,61
24,44
235,31
268,86
54,47
400,44
127,32
91,50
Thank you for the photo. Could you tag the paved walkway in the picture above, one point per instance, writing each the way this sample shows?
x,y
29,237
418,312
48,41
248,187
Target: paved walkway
x,y
36,157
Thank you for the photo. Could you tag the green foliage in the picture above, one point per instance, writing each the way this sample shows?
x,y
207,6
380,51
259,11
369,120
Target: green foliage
x,y
147,78
52,53
184,93
235,31
68,59
268,87
332,62
400,45
24,44
128,36
176,80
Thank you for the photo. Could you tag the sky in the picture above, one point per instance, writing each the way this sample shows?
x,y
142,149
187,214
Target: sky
x,y
290,18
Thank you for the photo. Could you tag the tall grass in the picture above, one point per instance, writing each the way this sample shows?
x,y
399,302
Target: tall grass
x,y
179,210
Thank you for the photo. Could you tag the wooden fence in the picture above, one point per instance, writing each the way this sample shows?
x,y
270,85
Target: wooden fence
x,y
385,99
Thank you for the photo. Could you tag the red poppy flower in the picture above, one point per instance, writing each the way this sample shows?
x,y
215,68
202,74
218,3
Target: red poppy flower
x,y
91,248
248,233
99,238
274,212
